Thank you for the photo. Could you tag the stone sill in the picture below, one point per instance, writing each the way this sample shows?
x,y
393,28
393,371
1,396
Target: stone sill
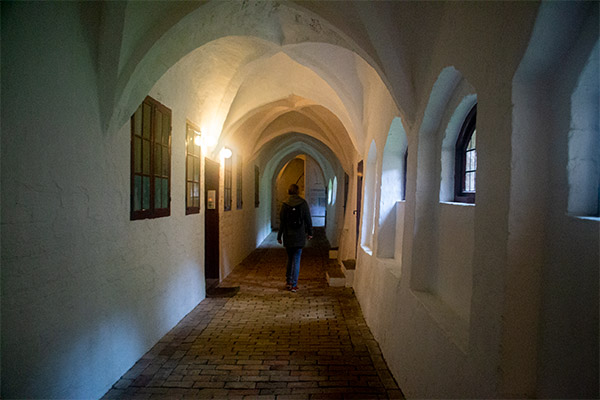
x,y
454,203
585,218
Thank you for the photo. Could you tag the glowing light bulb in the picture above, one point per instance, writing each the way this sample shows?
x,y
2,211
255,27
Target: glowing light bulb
x,y
226,152
210,141
198,140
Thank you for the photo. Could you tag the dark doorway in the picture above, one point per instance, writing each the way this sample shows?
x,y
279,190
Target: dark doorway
x,y
359,180
211,224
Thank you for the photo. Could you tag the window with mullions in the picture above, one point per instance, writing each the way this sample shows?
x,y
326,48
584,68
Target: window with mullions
x,y
466,160
238,184
192,170
228,181
150,161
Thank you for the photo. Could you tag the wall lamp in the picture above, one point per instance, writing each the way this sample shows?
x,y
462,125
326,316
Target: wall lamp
x,y
197,138
226,152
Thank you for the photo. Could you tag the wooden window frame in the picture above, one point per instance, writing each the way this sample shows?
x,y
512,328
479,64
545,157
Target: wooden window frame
x,y
151,211
191,132
227,183
466,132
239,193
256,187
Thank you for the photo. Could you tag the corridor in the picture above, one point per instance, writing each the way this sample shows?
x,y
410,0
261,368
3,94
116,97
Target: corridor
x,y
449,151
266,342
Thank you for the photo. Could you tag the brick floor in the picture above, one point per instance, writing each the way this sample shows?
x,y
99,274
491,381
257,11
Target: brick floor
x,y
267,343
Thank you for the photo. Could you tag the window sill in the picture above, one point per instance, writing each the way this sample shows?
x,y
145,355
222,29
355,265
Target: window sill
x,y
585,218
366,249
456,203
392,265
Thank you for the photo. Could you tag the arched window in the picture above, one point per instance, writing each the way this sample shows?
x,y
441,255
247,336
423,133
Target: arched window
x,y
392,189
334,191
465,166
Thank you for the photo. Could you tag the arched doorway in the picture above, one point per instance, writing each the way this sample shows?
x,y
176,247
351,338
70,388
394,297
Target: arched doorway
x,y
304,171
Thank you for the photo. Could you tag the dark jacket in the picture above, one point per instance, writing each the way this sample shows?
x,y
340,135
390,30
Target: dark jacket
x,y
294,237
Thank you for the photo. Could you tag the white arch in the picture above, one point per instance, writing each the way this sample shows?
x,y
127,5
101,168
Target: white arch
x,y
173,39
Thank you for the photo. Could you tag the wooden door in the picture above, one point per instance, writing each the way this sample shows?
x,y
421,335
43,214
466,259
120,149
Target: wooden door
x,y
211,223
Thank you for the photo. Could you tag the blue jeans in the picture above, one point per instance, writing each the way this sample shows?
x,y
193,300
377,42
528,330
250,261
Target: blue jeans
x,y
293,265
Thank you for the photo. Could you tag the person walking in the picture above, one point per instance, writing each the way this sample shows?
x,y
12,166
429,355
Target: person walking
x,y
295,226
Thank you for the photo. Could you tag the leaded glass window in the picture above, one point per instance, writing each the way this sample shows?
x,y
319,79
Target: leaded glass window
x,y
150,160
192,169
466,160
227,184
238,184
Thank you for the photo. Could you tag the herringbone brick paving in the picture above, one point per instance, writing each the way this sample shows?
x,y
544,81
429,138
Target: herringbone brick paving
x,y
266,342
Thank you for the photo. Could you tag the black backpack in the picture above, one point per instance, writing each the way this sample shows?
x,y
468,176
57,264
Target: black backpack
x,y
295,217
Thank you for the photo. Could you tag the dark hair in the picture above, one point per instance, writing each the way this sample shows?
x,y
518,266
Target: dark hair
x,y
293,189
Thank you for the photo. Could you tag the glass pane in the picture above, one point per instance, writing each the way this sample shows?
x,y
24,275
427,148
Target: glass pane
x,y
157,126
196,195
137,122
147,115
165,193
137,193
157,196
146,157
469,163
165,161
189,197
146,193
137,158
166,129
474,152
157,159
189,134
198,151
196,170
470,182
472,142
190,168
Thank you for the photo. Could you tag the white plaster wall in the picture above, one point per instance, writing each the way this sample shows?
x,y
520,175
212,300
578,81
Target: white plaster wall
x,y
85,291
568,363
455,244
335,212
400,224
431,355
237,244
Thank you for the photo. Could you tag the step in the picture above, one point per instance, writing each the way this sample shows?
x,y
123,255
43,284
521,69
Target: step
x,y
348,267
335,276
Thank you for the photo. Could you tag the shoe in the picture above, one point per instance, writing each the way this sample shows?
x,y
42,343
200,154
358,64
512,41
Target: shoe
x,y
288,286
294,289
